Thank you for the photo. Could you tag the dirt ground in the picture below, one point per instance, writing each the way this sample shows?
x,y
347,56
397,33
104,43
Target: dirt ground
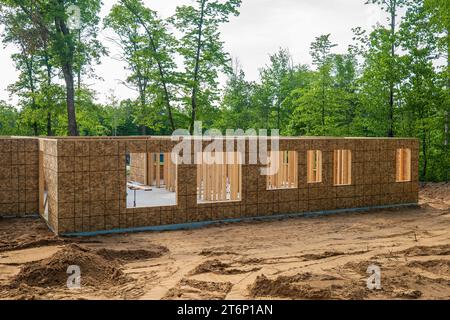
x,y
303,258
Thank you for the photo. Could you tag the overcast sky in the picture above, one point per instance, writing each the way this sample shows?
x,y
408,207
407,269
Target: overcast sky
x,y
262,27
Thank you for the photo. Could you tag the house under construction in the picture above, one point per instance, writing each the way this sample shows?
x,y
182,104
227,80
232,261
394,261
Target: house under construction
x,y
93,185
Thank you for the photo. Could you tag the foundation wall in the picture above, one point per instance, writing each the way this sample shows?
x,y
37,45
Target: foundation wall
x,y
19,176
87,182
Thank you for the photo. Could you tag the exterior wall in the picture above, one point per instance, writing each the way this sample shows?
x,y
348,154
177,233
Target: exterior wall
x,y
19,176
87,182
92,184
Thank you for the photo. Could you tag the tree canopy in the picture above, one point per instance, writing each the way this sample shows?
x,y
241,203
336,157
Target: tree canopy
x,y
392,81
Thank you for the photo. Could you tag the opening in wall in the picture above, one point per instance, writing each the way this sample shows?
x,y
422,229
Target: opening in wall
x,y
314,165
286,176
403,172
151,180
219,177
342,167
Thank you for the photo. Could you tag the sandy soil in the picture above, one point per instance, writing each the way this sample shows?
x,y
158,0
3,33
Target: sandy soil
x,y
302,258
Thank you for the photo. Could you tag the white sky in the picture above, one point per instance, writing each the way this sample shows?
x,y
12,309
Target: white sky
x,y
261,29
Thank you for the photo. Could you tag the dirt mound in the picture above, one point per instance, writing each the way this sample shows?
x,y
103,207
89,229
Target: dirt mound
x,y
186,288
323,255
212,252
361,266
25,233
219,267
417,251
408,294
300,287
52,272
401,279
29,243
440,191
440,267
208,286
132,255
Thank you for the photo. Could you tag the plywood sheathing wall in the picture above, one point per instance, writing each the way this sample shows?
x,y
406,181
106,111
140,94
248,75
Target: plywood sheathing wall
x,y
92,195
19,176
88,184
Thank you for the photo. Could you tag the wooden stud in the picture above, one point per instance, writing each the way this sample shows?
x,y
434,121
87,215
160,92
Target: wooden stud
x,y
199,180
158,170
145,161
239,177
224,177
217,179
349,167
344,166
310,166
403,165
151,168
408,165
319,166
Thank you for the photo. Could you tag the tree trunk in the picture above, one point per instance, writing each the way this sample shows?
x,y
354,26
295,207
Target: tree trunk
x,y
391,86
67,68
446,143
49,82
391,112
79,67
279,115
160,66
446,146
49,124
29,64
424,154
446,128
196,69
323,103
448,87
70,99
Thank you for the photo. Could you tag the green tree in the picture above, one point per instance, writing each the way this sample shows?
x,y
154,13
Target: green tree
x,y
345,87
8,120
322,59
45,27
388,39
277,79
424,90
202,51
314,103
148,49
236,110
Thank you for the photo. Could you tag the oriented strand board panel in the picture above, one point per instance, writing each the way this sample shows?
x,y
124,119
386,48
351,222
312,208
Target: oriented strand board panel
x,y
86,180
19,176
